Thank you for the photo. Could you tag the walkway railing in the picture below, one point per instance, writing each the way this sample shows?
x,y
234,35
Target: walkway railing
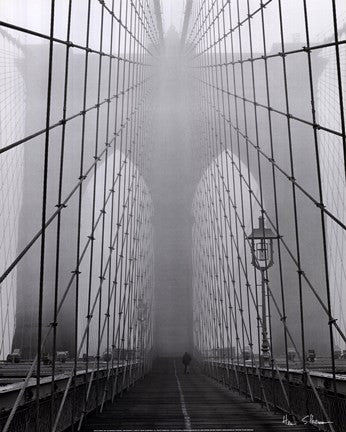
x,y
302,397
96,383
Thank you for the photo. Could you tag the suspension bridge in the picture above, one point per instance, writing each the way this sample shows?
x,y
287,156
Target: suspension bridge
x,y
165,190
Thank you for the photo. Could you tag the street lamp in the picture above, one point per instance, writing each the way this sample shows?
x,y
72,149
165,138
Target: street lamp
x,y
262,259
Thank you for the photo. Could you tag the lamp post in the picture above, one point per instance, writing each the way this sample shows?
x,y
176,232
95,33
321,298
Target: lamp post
x,y
262,259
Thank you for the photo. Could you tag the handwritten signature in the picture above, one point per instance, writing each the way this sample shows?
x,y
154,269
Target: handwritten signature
x,y
309,419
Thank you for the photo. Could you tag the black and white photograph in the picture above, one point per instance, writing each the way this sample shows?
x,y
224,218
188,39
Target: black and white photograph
x,y
172,215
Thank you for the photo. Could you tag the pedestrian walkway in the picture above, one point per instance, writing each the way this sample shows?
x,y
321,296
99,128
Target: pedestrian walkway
x,y
170,400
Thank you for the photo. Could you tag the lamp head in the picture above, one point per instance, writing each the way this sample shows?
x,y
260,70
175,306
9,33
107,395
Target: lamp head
x,y
261,240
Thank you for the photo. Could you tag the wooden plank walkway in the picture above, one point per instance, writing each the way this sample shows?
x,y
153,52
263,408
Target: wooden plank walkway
x,y
167,399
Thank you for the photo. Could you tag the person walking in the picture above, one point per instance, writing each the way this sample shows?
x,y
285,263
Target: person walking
x,y
186,362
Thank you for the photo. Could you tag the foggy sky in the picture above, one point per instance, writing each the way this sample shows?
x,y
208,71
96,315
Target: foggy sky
x,y
35,14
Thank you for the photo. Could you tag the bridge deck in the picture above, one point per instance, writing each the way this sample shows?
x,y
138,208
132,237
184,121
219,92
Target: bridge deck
x,y
168,399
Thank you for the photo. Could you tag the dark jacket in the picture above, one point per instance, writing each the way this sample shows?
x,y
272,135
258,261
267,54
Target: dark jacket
x,y
186,359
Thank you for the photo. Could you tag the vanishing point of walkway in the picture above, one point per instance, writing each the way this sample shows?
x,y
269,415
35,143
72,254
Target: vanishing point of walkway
x,y
167,399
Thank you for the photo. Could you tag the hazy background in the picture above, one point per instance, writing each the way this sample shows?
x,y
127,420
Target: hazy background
x,y
175,139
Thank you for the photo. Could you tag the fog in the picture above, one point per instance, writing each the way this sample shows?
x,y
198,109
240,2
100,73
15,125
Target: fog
x,y
170,168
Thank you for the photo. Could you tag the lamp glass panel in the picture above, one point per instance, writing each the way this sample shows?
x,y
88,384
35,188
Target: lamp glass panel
x,y
261,251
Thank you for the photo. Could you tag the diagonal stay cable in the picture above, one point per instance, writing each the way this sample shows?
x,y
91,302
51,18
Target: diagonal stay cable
x,y
60,208
89,318
33,365
72,117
